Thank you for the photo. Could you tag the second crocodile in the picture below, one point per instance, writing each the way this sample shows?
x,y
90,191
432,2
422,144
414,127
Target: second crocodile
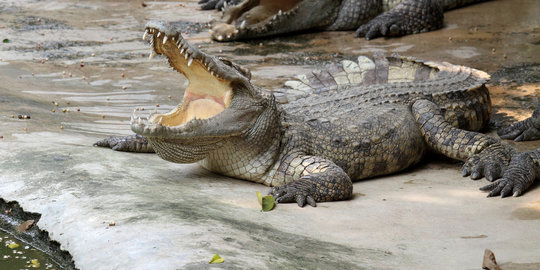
x,y
251,19
355,120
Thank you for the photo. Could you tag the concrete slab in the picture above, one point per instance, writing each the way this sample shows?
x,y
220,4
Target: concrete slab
x,y
87,57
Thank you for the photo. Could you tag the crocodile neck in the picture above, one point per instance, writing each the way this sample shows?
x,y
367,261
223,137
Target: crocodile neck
x,y
252,155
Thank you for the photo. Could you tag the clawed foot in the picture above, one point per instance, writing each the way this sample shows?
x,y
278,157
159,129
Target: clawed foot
x,y
490,163
406,18
520,131
380,27
217,4
133,143
301,191
517,178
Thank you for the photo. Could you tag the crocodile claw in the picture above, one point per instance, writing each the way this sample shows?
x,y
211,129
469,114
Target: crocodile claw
x,y
217,4
520,131
299,191
519,176
490,163
133,143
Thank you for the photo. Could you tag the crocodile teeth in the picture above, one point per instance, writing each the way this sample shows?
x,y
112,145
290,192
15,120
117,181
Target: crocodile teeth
x,y
189,61
220,37
182,51
158,34
212,73
145,34
164,39
280,12
152,54
185,56
160,120
243,24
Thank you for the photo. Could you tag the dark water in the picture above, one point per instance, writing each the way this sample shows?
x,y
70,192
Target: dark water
x,y
23,256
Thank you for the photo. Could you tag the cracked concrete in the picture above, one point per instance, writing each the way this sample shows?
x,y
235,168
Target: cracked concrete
x,y
88,57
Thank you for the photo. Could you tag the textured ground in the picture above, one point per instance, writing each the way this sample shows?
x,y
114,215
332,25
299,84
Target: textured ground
x,y
89,56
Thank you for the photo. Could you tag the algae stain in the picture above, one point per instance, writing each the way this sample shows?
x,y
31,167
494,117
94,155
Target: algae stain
x,y
529,212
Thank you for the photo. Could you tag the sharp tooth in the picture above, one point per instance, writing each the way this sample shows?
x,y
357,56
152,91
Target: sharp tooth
x,y
152,54
229,36
139,121
243,24
158,34
280,12
164,39
220,38
189,62
186,56
212,73
160,119
182,51
145,34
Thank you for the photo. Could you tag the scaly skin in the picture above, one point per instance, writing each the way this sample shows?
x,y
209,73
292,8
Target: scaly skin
x,y
354,120
251,19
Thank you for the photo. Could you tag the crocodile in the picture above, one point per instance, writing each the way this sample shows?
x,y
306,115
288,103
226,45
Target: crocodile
x,y
251,19
310,139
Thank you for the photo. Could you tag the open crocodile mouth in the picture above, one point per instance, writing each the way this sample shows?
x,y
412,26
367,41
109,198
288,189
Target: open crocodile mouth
x,y
253,16
207,94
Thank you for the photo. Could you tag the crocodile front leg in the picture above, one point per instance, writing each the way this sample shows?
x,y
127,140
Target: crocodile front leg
x,y
408,17
526,130
320,181
133,143
484,155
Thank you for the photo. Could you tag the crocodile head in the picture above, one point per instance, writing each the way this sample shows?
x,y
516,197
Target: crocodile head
x,y
219,102
260,18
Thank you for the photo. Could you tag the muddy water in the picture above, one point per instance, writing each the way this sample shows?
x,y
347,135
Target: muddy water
x,y
15,255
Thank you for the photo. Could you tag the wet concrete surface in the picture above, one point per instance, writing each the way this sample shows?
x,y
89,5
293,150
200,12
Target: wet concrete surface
x,y
78,68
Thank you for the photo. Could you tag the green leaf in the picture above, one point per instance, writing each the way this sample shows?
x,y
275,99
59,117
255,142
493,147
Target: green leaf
x,y
216,259
268,203
14,245
259,196
5,40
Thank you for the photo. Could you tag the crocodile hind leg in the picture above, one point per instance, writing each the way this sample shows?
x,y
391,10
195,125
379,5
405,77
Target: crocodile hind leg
x,y
483,155
133,143
320,180
526,130
408,17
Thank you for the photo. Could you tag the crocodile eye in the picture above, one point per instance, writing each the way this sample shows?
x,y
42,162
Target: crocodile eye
x,y
239,68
